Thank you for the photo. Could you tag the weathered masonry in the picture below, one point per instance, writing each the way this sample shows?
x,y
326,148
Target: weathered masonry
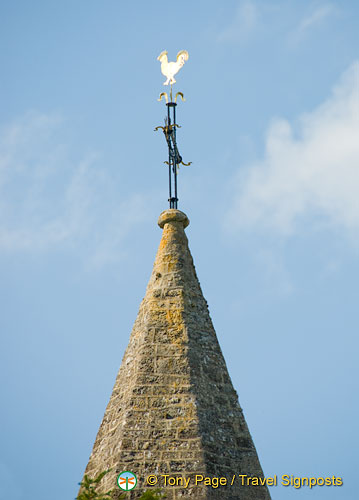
x,y
173,410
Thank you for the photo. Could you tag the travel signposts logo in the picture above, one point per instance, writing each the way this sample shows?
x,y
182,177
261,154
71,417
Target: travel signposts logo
x,y
126,480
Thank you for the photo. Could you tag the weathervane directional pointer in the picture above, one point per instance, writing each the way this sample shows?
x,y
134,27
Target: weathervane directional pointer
x,y
169,69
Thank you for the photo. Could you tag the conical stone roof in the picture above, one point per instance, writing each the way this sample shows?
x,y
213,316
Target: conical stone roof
x,y
173,409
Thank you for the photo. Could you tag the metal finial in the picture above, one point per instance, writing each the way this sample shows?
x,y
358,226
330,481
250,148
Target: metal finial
x,y
169,69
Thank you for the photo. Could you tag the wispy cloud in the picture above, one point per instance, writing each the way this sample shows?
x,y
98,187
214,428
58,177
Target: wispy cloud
x,y
242,25
311,22
314,172
49,201
317,16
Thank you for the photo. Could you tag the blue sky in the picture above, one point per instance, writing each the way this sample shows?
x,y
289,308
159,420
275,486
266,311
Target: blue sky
x,y
271,126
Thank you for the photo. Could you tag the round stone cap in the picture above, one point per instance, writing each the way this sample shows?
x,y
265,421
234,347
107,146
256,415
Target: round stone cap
x,y
173,215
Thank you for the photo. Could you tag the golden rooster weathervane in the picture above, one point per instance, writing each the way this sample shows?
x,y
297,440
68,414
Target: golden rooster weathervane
x,y
169,70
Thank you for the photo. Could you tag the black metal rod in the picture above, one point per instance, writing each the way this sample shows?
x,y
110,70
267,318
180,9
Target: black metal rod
x,y
175,155
169,160
172,153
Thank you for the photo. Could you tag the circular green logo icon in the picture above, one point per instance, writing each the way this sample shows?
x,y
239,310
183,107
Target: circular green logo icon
x,y
126,480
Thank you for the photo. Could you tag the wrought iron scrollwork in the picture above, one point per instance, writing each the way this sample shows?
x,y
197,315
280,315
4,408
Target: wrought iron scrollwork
x,y
174,157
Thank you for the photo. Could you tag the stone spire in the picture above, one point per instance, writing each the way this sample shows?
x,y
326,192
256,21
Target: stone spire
x,y
173,409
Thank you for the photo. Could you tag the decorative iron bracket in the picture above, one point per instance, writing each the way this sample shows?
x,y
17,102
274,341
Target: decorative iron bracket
x,y
174,157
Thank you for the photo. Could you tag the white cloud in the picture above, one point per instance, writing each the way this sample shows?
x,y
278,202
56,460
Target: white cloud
x,y
314,172
312,22
316,17
242,25
50,201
